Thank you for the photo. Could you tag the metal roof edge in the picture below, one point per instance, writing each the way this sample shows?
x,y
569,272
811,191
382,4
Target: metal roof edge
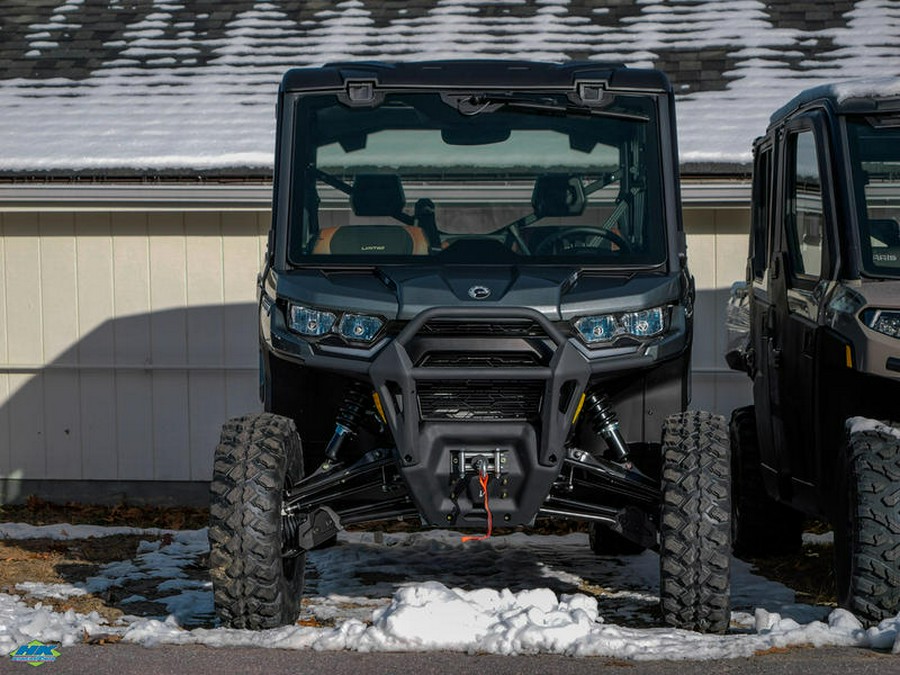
x,y
249,197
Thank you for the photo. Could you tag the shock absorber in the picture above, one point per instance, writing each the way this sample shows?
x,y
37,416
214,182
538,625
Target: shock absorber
x,y
349,417
605,422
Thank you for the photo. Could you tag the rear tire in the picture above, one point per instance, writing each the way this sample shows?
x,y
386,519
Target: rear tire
x,y
867,529
254,586
760,525
695,523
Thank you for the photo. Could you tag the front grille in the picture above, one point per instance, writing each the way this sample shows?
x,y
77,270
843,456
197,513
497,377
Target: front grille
x,y
480,360
480,400
494,328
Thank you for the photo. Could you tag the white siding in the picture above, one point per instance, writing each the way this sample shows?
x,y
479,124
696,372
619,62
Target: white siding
x,y
126,338
22,269
5,459
96,303
717,252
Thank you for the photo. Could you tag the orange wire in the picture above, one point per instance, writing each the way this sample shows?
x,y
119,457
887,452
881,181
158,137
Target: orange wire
x,y
483,481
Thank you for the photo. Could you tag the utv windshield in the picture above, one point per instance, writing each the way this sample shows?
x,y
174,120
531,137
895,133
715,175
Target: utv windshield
x,y
875,158
479,179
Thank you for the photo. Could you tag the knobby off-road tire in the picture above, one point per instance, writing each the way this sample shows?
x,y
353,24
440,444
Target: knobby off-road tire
x,y
760,525
254,586
695,523
867,527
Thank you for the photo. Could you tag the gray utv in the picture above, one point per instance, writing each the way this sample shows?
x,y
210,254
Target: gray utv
x,y
817,328
475,311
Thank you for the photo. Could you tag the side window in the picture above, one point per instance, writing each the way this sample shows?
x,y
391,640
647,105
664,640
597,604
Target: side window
x,y
760,220
805,214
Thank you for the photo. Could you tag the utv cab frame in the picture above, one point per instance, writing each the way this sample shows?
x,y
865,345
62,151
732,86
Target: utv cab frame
x,y
820,337
475,309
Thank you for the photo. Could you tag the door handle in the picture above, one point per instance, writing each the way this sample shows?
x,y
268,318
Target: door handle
x,y
808,343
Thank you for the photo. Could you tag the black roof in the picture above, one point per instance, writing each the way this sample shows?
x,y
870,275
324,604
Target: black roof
x,y
478,73
864,96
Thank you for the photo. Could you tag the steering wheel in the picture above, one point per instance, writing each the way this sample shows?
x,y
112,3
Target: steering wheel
x,y
563,234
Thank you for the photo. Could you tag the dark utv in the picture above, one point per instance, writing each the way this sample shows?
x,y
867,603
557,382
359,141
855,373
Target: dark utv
x,y
476,310
821,315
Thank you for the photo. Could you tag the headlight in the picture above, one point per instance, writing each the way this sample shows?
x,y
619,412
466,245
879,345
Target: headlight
x,y
606,327
597,328
360,327
307,321
319,322
648,323
882,320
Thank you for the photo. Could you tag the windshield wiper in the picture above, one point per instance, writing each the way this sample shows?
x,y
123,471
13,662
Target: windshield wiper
x,y
476,104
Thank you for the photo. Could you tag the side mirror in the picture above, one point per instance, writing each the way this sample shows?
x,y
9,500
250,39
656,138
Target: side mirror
x,y
737,327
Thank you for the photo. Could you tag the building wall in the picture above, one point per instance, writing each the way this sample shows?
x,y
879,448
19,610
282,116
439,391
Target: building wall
x,y
127,337
717,255
125,340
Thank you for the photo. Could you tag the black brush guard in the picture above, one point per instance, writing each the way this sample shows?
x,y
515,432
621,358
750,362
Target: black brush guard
x,y
434,469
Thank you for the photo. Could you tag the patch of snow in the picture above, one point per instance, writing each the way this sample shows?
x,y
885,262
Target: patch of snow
x,y
818,539
65,531
37,589
426,591
858,425
133,598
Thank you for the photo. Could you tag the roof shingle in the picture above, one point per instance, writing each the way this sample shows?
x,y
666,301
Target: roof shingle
x,y
188,85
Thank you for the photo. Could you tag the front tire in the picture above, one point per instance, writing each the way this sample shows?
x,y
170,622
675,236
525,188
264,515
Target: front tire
x,y
254,585
867,527
695,523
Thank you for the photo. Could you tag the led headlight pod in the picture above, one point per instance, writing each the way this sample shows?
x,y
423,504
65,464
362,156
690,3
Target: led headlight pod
x,y
308,321
359,327
883,320
646,323
606,327
597,328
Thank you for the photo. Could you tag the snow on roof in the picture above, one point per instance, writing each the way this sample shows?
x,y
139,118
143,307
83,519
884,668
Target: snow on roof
x,y
877,88
189,85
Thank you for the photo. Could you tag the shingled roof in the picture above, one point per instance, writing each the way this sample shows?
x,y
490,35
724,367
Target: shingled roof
x,y
137,87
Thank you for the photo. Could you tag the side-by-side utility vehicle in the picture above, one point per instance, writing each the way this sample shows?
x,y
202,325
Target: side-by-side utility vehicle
x,y
821,339
476,311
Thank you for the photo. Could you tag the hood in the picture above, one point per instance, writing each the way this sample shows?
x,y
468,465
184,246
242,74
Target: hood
x,y
403,292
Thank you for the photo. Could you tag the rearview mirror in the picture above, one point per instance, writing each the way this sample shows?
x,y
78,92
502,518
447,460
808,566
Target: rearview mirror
x,y
474,135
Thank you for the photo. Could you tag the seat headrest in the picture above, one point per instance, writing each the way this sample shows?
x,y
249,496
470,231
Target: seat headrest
x,y
557,195
377,194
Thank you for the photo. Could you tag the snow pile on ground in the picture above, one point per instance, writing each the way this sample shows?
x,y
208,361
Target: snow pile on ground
x,y
427,591
66,531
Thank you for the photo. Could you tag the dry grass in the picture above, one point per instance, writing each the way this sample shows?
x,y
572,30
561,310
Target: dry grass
x,y
57,562
39,512
810,573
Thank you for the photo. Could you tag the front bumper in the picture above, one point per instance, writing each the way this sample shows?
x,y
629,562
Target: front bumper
x,y
519,436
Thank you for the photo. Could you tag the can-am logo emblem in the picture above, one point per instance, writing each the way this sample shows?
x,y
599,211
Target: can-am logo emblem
x,y
479,292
